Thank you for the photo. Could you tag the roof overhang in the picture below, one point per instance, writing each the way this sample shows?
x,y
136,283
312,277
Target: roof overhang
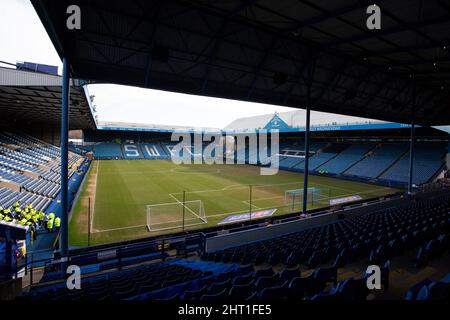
x,y
36,98
260,51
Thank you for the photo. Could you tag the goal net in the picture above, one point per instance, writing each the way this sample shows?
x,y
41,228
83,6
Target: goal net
x,y
315,197
165,216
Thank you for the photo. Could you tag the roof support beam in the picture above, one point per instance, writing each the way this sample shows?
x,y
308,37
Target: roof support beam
x,y
309,80
411,142
64,241
335,77
387,31
218,37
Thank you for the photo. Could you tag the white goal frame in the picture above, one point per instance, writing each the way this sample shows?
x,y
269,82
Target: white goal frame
x,y
292,196
191,217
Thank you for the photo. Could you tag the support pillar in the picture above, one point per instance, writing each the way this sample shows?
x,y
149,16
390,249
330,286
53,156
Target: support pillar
x,y
411,143
64,240
306,162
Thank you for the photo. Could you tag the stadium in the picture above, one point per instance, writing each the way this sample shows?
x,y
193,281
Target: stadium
x,y
342,197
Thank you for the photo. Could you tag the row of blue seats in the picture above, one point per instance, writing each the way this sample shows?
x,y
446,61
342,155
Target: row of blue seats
x,y
20,153
9,197
375,237
428,289
346,158
16,164
43,187
431,250
378,161
112,150
428,159
352,289
13,175
22,157
123,284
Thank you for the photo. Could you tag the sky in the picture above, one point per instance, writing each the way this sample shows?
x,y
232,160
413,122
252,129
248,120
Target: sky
x,y
23,38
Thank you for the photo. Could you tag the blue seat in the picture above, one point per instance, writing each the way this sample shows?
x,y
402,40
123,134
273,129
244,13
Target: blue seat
x,y
353,289
326,274
243,279
439,291
268,281
332,295
248,258
289,273
217,287
313,260
385,270
412,292
222,295
423,294
298,288
446,278
274,293
264,272
242,292
244,270
169,297
195,294
292,260
421,259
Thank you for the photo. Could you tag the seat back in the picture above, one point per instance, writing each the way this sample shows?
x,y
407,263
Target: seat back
x,y
241,292
222,295
264,282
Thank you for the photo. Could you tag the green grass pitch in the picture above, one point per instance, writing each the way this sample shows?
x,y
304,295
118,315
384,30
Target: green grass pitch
x,y
119,191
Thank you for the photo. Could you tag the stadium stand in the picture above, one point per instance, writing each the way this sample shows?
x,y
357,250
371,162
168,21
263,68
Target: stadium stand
x,y
377,237
126,284
430,290
325,155
30,177
288,162
345,159
108,150
132,151
385,163
378,160
297,150
310,264
428,159
153,151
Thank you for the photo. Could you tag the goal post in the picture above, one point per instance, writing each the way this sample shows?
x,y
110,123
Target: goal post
x,y
165,216
293,198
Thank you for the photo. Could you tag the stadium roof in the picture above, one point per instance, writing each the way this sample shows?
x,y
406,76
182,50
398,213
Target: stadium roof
x,y
296,119
259,50
124,126
36,97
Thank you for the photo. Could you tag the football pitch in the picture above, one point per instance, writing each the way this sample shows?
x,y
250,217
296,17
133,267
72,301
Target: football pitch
x,y
122,194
